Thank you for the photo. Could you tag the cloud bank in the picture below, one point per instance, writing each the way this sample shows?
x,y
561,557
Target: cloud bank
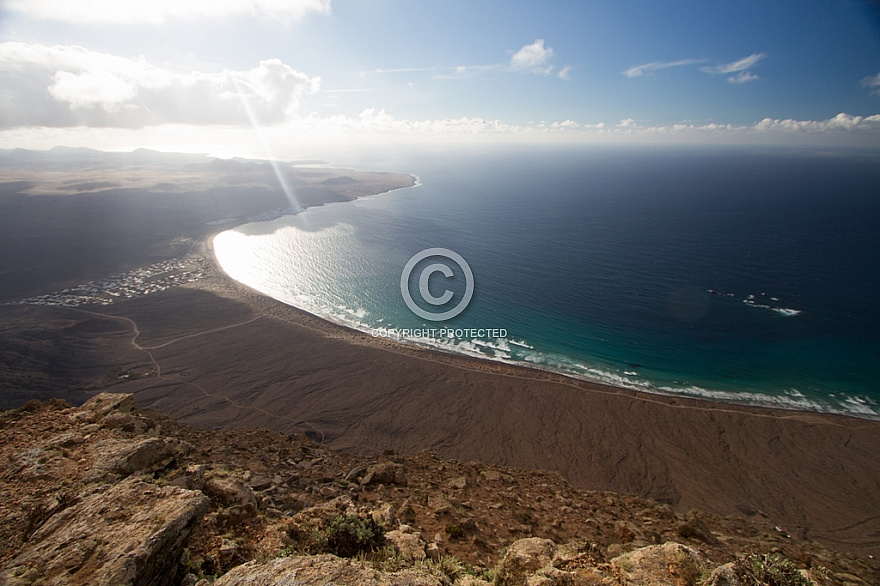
x,y
45,90
72,86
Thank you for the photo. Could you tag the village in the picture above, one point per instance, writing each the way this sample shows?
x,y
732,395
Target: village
x,y
143,281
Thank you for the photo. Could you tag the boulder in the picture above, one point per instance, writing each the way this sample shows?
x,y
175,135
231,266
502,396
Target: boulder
x,y
106,403
321,570
433,552
384,473
410,545
459,483
126,457
724,576
228,491
384,516
522,559
131,534
670,564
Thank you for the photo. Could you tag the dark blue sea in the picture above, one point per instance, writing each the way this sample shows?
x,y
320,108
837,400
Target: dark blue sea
x,y
740,274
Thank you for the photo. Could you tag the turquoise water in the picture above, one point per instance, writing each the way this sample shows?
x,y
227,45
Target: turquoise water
x,y
730,274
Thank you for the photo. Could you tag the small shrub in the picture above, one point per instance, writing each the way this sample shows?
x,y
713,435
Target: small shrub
x,y
447,568
768,570
349,535
454,531
387,559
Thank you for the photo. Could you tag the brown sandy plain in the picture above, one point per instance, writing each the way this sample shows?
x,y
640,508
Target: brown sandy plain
x,y
215,354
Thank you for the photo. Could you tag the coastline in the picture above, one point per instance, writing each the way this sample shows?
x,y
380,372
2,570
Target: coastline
x,y
746,398
526,372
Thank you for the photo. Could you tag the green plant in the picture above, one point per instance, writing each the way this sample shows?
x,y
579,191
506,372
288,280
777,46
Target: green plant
x,y
386,559
349,535
768,570
447,568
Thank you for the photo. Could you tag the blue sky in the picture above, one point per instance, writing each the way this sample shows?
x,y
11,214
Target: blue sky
x,y
275,76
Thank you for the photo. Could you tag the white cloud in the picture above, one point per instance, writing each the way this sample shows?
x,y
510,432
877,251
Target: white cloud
x,y
649,68
841,122
872,81
72,86
742,77
534,58
735,66
302,135
371,121
563,73
160,11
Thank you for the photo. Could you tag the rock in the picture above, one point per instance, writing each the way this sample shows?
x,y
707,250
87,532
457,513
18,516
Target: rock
x,y
491,475
440,505
68,440
355,473
106,403
724,576
696,528
522,559
328,492
410,545
125,422
458,483
320,570
668,564
384,516
113,537
192,477
228,549
614,550
258,483
126,457
433,552
384,473
228,491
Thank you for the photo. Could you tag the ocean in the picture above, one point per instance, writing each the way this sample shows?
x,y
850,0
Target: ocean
x,y
745,275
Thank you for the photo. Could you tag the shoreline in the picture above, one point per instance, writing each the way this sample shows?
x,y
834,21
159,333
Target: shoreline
x,y
529,370
524,372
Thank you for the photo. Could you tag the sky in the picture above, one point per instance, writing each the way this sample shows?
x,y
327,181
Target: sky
x,y
279,78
